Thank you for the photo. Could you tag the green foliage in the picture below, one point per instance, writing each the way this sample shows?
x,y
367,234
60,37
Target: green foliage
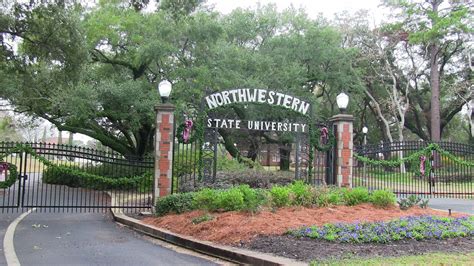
x,y
417,228
280,196
413,160
175,203
253,198
203,218
63,175
113,170
411,201
301,194
206,199
383,198
229,200
232,165
356,196
330,197
11,177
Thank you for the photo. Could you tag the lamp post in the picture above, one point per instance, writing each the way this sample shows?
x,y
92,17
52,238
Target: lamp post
x,y
342,101
342,124
164,142
365,130
164,89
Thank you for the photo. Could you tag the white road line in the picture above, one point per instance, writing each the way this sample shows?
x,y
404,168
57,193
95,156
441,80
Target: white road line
x,y
8,246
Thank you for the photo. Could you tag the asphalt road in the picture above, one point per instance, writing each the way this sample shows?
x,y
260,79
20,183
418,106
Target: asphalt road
x,y
87,239
5,220
459,205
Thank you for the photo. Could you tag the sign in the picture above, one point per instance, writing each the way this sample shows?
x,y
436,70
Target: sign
x,y
223,98
3,171
257,125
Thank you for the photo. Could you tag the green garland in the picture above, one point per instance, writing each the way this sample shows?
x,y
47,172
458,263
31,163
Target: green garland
x,y
100,182
315,137
11,178
415,157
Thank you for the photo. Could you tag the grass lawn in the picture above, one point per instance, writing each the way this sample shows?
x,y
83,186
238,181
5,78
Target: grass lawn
x,y
427,259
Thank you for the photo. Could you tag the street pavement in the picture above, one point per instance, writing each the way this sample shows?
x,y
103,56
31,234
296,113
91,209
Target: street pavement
x,y
5,220
88,239
458,205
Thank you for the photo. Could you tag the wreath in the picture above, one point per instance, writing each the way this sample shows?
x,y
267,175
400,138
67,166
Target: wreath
x,y
11,172
186,132
323,139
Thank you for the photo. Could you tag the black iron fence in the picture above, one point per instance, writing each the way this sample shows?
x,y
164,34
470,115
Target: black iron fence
x,y
443,169
58,178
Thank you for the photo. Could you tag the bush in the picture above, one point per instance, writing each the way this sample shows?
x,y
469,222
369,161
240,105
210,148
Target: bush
x,y
301,193
356,196
63,175
175,203
329,197
280,196
253,198
383,198
113,170
229,200
412,201
206,199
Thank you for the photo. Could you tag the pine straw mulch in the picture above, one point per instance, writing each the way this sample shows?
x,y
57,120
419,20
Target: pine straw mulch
x,y
237,228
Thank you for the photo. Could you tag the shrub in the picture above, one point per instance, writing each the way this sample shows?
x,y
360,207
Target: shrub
x,y
112,170
330,197
411,201
253,198
356,196
175,203
63,175
280,196
230,200
301,193
206,199
383,198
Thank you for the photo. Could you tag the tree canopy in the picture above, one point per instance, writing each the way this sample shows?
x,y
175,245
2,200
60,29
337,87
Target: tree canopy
x,y
94,69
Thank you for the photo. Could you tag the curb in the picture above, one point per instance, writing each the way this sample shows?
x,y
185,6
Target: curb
x,y
231,254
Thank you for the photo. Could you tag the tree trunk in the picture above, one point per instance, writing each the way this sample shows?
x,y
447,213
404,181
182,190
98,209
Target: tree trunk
x,y
435,93
285,152
71,138
434,82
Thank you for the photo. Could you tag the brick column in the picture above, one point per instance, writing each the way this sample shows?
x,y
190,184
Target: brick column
x,y
164,140
343,124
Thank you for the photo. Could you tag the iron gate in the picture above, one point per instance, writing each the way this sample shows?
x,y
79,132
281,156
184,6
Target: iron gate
x,y
63,178
195,163
448,174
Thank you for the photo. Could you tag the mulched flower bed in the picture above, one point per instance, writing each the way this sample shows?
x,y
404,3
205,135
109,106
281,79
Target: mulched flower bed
x,y
309,249
234,228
